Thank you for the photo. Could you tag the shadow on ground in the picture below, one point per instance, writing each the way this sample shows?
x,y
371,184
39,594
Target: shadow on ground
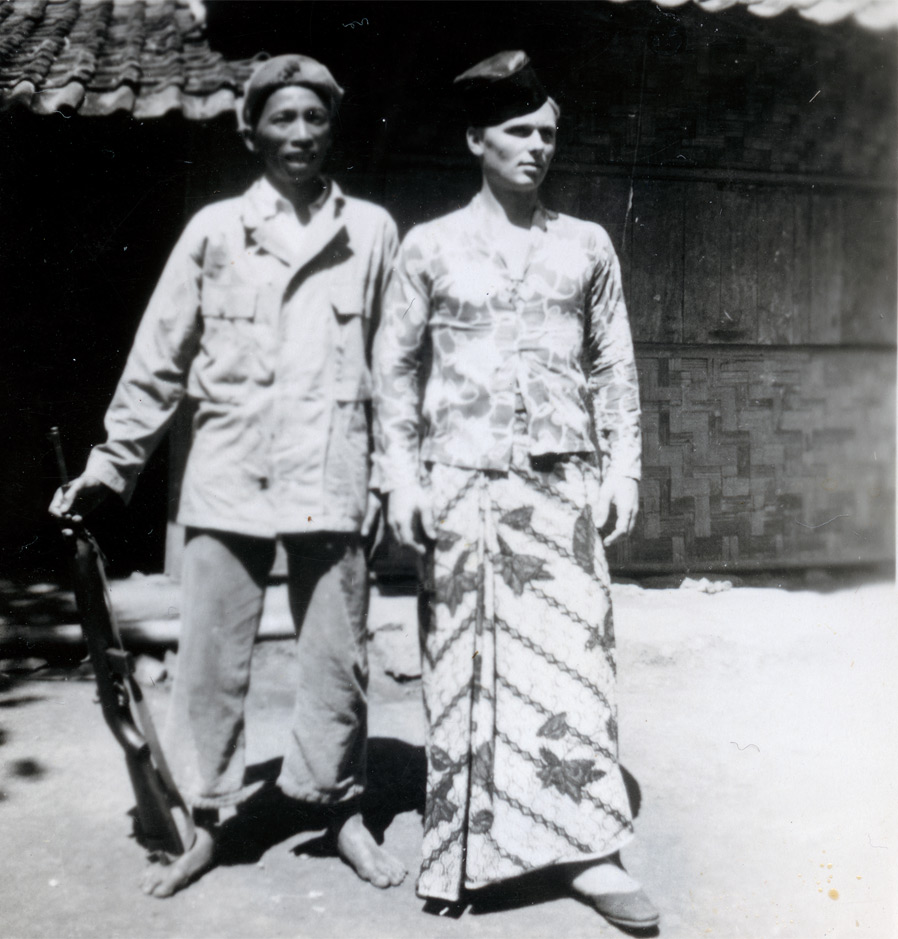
x,y
397,774
534,889
397,777
30,601
24,768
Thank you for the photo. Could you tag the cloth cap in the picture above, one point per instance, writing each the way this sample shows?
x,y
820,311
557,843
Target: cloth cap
x,y
283,71
499,88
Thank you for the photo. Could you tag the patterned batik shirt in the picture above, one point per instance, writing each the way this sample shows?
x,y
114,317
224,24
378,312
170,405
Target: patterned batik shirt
x,y
553,337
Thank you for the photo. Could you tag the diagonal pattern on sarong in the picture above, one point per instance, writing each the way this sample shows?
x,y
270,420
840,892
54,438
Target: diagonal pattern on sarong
x,y
518,672
552,660
463,627
599,635
557,724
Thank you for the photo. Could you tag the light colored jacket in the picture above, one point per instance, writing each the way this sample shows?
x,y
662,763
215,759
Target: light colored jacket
x,y
266,325
554,339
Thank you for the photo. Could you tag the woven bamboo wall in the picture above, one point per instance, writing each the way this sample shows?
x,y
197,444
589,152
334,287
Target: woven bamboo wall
x,y
760,458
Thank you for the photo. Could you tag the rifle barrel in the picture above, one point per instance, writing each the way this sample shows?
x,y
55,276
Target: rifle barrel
x,y
56,440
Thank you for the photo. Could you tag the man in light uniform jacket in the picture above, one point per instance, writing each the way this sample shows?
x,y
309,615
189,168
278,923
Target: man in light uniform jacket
x,y
263,317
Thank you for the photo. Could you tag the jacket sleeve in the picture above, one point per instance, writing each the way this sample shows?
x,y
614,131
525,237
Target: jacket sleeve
x,y
381,268
155,374
613,382
396,368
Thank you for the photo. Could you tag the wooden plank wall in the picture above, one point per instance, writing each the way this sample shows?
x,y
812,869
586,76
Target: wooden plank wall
x,y
750,263
764,318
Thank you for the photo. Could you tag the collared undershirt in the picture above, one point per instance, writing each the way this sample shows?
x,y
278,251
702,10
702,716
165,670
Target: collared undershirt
x,y
285,209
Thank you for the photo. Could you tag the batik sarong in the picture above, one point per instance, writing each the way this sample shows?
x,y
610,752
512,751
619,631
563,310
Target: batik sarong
x,y
518,671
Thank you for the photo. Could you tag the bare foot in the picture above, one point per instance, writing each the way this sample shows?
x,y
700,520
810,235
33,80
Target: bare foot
x,y
160,880
357,847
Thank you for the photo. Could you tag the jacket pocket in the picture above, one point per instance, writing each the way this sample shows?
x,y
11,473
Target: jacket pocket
x,y
230,353
228,300
347,300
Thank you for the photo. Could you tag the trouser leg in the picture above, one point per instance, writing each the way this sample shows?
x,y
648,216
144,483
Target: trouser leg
x,y
325,758
223,586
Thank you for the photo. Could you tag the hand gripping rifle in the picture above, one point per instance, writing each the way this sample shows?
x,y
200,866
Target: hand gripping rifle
x,y
163,820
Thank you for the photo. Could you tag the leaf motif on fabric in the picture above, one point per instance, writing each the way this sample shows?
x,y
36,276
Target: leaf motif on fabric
x,y
585,540
440,808
517,570
477,676
567,776
555,727
519,519
602,636
548,757
447,539
461,561
440,759
611,726
452,588
482,768
609,628
481,822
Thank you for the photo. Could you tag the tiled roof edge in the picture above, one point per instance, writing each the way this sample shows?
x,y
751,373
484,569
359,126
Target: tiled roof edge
x,y
97,57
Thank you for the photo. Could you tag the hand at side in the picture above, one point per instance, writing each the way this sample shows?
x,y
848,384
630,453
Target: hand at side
x,y
410,517
623,493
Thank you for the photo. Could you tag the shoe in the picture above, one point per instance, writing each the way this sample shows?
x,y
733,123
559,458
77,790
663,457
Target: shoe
x,y
630,910
447,908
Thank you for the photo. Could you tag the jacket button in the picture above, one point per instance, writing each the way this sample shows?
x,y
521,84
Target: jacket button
x,y
263,483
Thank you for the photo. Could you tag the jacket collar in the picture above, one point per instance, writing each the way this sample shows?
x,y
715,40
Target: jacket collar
x,y
271,226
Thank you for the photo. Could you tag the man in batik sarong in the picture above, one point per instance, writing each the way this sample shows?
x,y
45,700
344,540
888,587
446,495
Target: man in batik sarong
x,y
501,471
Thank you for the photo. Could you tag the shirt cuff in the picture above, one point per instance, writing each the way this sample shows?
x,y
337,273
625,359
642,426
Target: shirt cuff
x,y
387,476
101,467
624,472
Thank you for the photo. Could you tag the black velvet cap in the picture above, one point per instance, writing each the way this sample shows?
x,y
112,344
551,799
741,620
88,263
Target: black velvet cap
x,y
499,88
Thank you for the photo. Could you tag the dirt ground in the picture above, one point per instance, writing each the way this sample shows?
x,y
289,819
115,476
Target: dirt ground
x,y
760,723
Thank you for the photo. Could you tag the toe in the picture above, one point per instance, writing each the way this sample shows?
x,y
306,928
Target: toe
x,y
357,847
160,885
150,880
390,868
154,890
397,873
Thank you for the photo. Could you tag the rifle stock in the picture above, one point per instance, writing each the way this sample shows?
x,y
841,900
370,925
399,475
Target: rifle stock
x,y
157,797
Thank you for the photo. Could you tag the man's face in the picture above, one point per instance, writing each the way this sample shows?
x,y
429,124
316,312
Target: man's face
x,y
516,154
292,135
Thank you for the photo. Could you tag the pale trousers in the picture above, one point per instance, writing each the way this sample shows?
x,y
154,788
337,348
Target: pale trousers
x,y
223,585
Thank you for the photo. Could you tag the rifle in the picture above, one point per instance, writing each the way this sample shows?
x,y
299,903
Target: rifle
x,y
163,821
